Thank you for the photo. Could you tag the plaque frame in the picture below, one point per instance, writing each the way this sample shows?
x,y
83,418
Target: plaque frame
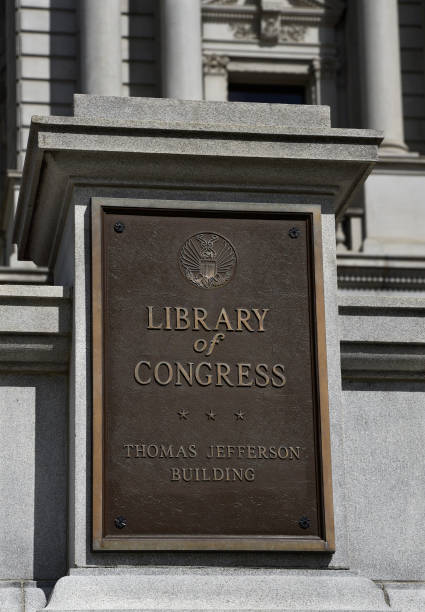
x,y
302,543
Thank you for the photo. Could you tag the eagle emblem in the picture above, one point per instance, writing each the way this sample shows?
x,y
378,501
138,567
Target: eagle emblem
x,y
207,260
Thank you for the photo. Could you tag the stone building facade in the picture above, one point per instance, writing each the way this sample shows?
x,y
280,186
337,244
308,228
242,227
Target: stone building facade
x,y
314,51
363,58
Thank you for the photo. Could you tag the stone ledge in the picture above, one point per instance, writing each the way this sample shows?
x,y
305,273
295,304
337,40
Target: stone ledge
x,y
408,596
361,271
159,125
46,292
200,112
35,328
34,353
381,319
373,303
376,361
223,590
382,337
17,596
21,276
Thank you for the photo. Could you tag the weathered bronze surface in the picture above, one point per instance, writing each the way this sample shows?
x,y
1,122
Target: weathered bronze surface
x,y
210,406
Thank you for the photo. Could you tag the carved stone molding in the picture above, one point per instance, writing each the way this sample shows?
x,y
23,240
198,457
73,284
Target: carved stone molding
x,y
270,27
272,22
305,3
223,2
244,31
317,4
215,64
374,273
272,30
292,33
265,14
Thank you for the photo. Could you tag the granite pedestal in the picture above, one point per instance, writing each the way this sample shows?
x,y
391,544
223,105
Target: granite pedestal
x,y
238,154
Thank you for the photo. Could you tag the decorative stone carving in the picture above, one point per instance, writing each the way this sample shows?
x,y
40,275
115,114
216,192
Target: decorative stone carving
x,y
215,64
244,31
272,21
292,33
272,31
270,27
330,9
266,16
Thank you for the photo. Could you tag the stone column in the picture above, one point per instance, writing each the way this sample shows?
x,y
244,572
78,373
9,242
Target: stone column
x,y
324,74
215,77
100,46
181,52
380,67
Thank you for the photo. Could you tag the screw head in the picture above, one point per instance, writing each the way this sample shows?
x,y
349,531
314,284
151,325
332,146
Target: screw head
x,y
294,232
119,227
120,522
304,522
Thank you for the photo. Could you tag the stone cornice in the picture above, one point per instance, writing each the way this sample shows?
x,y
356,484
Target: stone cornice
x,y
287,11
183,145
35,329
373,347
18,275
369,361
363,272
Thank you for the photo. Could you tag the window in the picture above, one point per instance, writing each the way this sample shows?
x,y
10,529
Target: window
x,y
277,94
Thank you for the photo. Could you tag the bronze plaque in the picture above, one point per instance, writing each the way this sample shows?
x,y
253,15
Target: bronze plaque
x,y
209,375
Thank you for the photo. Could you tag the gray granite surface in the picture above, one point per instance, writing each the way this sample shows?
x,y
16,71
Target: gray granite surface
x,y
407,597
184,111
21,596
35,327
204,589
180,152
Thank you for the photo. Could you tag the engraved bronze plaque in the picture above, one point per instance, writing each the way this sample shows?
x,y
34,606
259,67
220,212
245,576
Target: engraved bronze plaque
x,y
209,376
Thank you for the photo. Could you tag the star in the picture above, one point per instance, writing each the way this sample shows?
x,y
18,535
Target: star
x,y
183,414
210,415
239,415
